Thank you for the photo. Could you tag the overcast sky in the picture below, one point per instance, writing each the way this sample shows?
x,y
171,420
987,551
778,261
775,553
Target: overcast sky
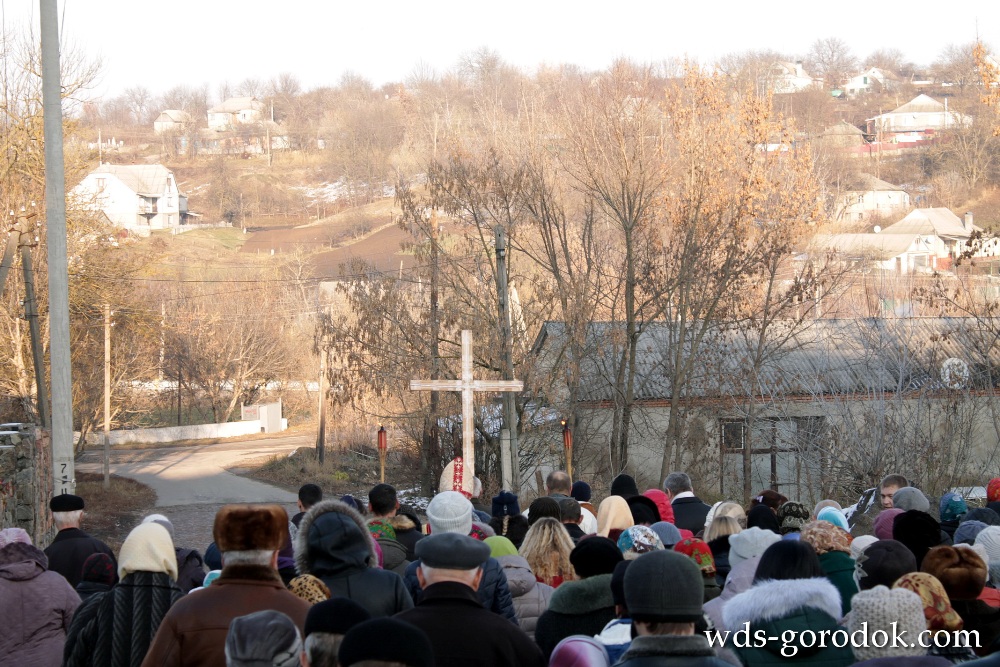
x,y
163,44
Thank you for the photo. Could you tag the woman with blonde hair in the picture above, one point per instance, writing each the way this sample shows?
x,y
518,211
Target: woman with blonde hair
x,y
546,547
717,537
613,517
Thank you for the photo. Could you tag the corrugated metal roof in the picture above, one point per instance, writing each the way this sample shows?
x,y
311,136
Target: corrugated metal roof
x,y
882,246
937,221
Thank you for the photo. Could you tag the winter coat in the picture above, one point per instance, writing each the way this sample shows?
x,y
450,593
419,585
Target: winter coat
x,y
839,569
407,533
115,629
36,608
980,616
494,592
690,513
580,607
531,598
190,569
779,606
86,589
670,651
393,555
335,545
720,554
740,579
70,549
193,633
616,637
463,633
517,528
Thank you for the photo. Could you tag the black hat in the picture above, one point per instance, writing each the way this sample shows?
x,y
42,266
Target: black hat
x,y
451,551
618,582
595,555
624,485
66,502
664,586
505,504
335,616
644,510
984,514
882,563
386,640
918,531
581,491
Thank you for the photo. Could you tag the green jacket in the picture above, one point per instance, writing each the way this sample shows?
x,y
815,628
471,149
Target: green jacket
x,y
839,569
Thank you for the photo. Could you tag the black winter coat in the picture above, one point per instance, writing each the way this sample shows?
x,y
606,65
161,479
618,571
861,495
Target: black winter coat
x,y
115,629
334,544
494,594
190,569
581,607
670,651
463,633
70,549
720,553
690,513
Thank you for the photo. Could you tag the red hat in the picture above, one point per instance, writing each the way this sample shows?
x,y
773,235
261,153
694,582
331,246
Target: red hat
x,y
699,552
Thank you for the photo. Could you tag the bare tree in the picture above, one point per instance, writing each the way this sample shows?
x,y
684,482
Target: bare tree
x,y
831,58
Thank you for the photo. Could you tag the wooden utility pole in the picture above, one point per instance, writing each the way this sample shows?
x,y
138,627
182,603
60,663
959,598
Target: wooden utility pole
x,y
431,449
511,473
31,314
321,434
107,396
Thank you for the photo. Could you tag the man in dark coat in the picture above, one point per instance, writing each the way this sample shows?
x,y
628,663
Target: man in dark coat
x,y
449,573
72,546
689,510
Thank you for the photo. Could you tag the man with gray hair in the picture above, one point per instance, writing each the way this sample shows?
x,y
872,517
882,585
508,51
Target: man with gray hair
x,y
689,510
71,546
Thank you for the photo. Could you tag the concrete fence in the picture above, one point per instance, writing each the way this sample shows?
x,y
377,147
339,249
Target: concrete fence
x,y
174,433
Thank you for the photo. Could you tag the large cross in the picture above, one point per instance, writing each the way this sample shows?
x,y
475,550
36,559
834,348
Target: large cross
x,y
467,385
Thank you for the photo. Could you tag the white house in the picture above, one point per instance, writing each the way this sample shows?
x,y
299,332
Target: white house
x,y
235,111
872,79
953,231
869,197
138,198
784,77
918,119
171,120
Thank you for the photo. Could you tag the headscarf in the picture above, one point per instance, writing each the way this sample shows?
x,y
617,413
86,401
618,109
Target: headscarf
x,y
148,548
825,537
937,607
638,540
613,513
381,529
993,490
699,552
834,516
500,546
764,517
662,504
309,588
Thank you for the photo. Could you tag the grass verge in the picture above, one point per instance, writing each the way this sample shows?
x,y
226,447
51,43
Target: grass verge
x,y
112,513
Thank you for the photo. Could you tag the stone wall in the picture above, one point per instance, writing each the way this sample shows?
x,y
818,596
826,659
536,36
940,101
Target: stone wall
x,y
25,482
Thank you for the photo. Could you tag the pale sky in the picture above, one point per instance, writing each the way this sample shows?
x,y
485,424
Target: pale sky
x,y
163,44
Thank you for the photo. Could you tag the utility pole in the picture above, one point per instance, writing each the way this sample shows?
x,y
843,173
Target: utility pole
x,y
55,240
431,436
107,396
321,434
511,473
31,314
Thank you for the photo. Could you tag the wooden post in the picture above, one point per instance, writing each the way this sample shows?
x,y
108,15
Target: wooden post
x,y
568,448
107,396
383,445
321,432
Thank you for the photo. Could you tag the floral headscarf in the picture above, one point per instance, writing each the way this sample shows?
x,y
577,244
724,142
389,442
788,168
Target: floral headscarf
x,y
937,606
699,552
638,540
825,537
993,490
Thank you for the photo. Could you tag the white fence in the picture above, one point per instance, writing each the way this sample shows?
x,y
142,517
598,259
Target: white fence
x,y
174,433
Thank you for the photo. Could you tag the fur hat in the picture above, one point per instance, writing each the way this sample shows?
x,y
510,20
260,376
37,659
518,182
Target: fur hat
x,y
792,516
968,532
450,512
911,498
250,527
386,640
882,564
952,506
595,555
918,531
749,543
624,485
961,571
885,610
882,526
263,638
505,504
644,510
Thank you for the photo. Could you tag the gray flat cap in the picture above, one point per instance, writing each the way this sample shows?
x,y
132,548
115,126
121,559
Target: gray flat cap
x,y
451,551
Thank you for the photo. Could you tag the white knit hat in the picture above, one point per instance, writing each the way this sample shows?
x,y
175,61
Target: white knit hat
x,y
989,540
749,543
880,607
860,543
148,548
450,512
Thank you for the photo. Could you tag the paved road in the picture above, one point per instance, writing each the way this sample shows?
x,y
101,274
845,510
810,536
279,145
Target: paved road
x,y
191,483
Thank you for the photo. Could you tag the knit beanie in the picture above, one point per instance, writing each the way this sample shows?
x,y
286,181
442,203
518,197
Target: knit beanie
x,y
450,512
386,640
618,582
664,586
938,611
310,588
698,551
148,548
961,571
579,651
989,539
500,546
792,516
99,569
162,520
952,506
638,540
886,611
968,532
14,536
834,516
595,555
381,529
911,498
668,532
984,514
505,504
882,564
263,638
335,616
882,526
581,491
860,543
918,531
624,485
749,543
993,490
351,502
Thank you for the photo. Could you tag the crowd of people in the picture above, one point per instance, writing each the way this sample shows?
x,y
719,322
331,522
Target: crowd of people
x,y
644,578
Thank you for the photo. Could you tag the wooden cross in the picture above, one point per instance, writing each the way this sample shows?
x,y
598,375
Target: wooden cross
x,y
467,386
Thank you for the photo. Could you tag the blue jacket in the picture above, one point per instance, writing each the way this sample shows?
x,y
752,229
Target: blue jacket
x,y
493,590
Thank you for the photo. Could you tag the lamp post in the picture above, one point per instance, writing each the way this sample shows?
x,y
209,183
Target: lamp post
x,y
568,448
383,444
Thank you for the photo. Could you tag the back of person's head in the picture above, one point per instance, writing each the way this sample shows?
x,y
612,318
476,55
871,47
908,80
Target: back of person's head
x,y
911,498
99,569
664,587
382,499
148,548
960,570
595,556
581,491
768,497
543,507
547,548
569,508
792,516
559,482
386,641
893,480
309,495
326,624
450,511
882,563
731,509
579,651
677,482
881,610
263,638
788,559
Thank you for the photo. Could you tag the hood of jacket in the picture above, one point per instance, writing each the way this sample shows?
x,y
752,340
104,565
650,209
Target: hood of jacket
x,y
772,600
582,596
332,541
20,562
520,579
402,523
